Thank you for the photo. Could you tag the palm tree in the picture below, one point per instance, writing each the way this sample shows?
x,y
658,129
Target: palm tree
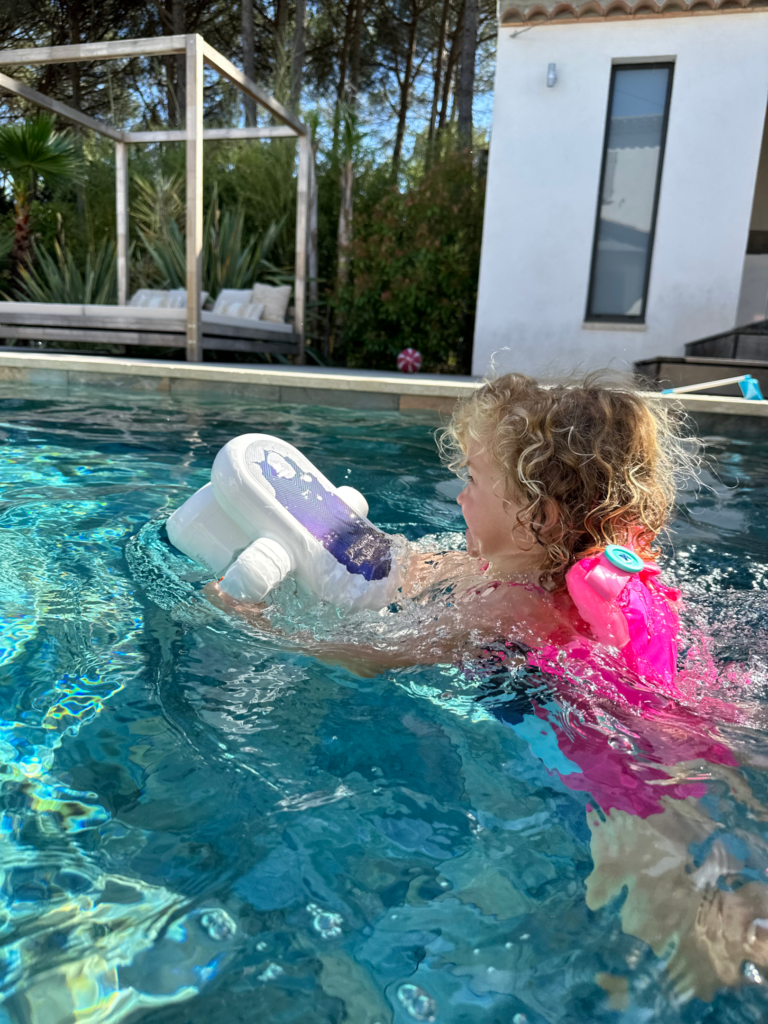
x,y
27,152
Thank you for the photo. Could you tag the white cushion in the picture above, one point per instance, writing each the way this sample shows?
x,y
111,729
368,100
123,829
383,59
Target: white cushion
x,y
227,295
238,321
177,298
149,298
275,299
158,298
249,310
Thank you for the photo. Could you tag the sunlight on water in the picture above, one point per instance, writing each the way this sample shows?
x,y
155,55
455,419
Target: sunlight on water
x,y
201,824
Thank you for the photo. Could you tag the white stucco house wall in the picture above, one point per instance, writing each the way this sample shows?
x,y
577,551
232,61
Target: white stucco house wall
x,y
627,203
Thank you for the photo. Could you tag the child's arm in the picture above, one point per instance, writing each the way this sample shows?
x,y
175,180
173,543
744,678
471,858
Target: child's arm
x,y
476,615
427,570
425,646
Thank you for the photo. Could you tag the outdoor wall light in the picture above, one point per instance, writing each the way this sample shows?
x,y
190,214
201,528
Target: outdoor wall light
x,y
551,75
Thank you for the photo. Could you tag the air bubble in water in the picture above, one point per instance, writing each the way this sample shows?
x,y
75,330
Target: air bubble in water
x,y
271,972
218,924
751,973
325,922
620,743
519,1018
416,1002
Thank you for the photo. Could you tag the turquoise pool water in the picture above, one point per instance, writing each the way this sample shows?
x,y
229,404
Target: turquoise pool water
x,y
202,826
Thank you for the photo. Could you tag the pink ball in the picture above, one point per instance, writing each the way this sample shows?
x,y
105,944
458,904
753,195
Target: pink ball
x,y
409,360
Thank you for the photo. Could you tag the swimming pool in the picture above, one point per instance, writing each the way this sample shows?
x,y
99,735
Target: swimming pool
x,y
201,826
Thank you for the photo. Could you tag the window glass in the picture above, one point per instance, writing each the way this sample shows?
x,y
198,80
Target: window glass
x,y
634,142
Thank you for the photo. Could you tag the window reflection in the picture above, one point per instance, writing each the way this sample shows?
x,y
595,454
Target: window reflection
x,y
631,170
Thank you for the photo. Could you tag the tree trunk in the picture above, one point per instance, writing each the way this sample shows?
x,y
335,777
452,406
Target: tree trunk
x,y
299,48
466,87
354,68
312,262
281,23
165,11
20,255
170,89
405,90
450,69
346,207
179,10
344,236
249,66
349,23
438,70
73,13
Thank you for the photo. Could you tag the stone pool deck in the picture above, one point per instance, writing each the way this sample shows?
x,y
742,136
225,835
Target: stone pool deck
x,y
368,390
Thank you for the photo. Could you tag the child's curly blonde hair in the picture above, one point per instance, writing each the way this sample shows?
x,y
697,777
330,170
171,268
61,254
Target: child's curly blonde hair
x,y
594,461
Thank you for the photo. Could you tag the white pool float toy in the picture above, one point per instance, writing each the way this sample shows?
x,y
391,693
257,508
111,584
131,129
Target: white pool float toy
x,y
268,512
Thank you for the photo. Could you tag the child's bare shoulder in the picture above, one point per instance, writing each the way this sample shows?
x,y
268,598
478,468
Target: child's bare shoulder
x,y
433,568
513,607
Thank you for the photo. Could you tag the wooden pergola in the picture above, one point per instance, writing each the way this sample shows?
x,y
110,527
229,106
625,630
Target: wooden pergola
x,y
198,53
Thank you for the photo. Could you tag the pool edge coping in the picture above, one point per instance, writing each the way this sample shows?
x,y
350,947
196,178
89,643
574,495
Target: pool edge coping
x,y
417,392
341,380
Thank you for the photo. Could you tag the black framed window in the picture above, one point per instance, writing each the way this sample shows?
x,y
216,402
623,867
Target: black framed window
x,y
633,154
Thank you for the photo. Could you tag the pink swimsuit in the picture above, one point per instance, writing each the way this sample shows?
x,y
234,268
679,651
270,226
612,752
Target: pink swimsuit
x,y
625,664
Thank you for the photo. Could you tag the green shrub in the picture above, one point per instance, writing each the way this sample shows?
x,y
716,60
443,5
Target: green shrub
x,y
415,263
83,211
258,178
59,279
229,259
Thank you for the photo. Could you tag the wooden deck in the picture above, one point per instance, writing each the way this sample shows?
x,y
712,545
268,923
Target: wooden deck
x,y
154,328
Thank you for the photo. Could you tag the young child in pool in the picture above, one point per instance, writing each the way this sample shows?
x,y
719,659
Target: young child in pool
x,y
554,475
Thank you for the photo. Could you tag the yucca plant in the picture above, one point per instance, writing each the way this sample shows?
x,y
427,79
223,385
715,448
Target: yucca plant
x,y
58,279
157,204
28,152
229,260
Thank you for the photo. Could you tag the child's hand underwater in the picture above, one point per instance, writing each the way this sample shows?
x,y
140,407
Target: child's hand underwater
x,y
250,610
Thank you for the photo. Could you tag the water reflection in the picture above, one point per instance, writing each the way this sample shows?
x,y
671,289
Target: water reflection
x,y
193,814
79,939
661,781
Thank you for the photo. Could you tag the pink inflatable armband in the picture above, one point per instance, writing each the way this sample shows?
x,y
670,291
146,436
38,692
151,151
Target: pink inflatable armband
x,y
595,585
619,597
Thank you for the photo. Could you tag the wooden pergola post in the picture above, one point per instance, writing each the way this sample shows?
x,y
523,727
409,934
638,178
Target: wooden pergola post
x,y
194,130
121,199
302,236
312,267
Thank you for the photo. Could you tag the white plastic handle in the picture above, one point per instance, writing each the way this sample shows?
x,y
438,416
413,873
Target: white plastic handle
x,y
258,569
354,499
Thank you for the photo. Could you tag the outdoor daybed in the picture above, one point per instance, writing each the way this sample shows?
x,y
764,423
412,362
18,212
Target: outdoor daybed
x,y
130,325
